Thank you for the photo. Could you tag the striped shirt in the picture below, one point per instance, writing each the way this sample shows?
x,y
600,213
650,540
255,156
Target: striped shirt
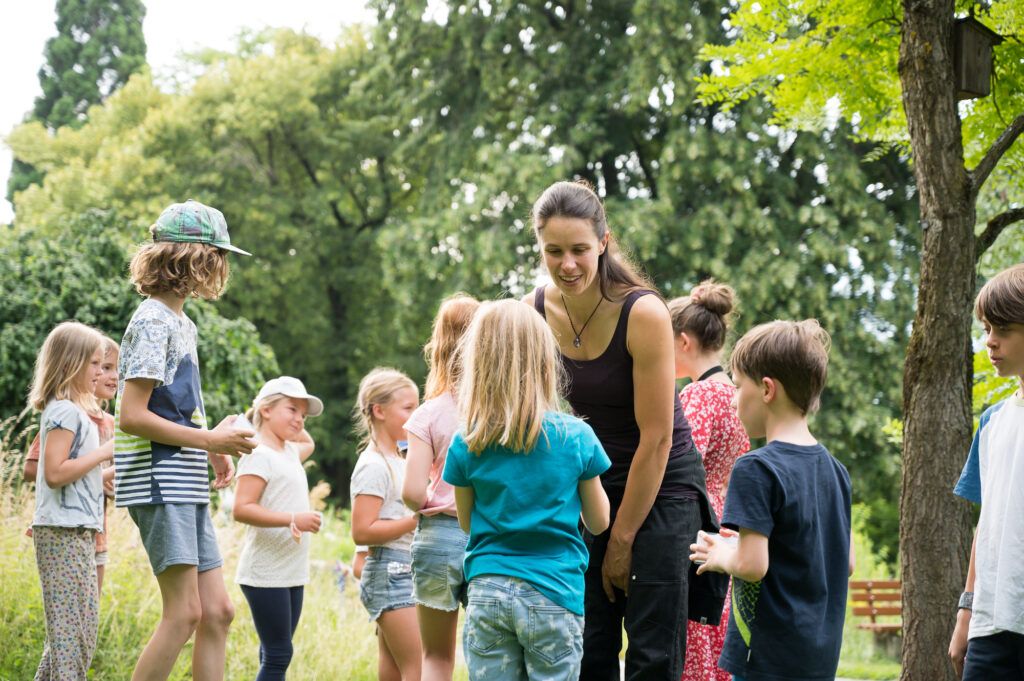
x,y
161,345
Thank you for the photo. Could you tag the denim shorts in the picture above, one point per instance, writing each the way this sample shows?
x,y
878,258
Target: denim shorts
x,y
177,534
438,552
386,583
513,632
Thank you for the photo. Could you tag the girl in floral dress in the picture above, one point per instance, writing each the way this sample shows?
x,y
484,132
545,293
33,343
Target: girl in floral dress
x,y
699,323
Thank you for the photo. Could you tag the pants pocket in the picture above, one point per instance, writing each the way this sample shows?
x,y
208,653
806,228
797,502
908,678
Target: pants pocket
x,y
554,633
483,631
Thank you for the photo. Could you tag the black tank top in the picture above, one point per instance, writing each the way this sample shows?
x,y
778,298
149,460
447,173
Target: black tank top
x,y
600,391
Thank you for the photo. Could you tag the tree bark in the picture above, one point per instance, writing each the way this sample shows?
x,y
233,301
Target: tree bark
x,y
935,530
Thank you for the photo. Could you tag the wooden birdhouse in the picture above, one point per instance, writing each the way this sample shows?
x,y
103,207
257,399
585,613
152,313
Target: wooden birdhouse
x,y
972,57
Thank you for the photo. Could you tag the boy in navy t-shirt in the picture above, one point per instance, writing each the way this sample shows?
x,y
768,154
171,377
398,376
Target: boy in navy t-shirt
x,y
789,502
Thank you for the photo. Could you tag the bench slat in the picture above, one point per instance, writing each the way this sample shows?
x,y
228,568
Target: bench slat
x,y
878,611
869,597
880,626
872,584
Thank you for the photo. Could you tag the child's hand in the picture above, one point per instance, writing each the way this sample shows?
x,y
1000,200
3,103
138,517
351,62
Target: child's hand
x,y
223,469
108,481
307,522
714,552
228,440
106,451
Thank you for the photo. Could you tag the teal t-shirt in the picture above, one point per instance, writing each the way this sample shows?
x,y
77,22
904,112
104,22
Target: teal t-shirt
x,y
526,513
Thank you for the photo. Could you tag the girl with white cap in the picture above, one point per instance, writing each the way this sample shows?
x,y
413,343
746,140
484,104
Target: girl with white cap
x,y
273,499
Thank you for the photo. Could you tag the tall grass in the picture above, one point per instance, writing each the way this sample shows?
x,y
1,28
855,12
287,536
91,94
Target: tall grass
x,y
334,640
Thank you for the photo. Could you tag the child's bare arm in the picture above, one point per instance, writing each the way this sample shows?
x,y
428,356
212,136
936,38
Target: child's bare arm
x,y
369,529
247,508
958,643
137,419
465,499
304,443
61,470
747,560
417,473
31,470
596,508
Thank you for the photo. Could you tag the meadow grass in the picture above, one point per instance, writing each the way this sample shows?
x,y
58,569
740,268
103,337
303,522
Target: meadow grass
x,y
334,639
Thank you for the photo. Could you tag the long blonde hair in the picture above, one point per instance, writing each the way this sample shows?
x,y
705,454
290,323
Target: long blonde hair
x,y
453,318
377,387
511,375
109,345
65,352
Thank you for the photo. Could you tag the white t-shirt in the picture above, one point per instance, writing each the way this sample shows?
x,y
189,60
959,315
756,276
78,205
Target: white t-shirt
x,y
994,477
270,556
78,503
382,476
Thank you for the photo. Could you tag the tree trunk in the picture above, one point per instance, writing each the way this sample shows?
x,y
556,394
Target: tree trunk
x,y
935,531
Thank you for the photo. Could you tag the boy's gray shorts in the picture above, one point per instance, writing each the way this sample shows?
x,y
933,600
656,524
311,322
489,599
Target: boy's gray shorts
x,y
177,534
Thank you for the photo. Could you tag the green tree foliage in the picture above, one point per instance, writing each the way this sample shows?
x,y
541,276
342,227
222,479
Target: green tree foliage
x,y
99,44
797,223
83,276
372,179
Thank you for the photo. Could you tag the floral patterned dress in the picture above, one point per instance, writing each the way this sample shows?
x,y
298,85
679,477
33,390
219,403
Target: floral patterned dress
x,y
720,437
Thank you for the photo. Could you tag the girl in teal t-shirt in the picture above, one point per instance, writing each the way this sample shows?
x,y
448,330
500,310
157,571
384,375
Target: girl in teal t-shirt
x,y
524,474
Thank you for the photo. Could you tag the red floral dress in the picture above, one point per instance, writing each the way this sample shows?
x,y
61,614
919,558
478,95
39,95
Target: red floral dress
x,y
720,438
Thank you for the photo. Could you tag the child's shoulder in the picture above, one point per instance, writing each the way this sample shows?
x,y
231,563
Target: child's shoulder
x,y
1003,414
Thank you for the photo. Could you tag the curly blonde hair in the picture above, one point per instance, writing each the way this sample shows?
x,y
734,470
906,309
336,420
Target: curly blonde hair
x,y
184,269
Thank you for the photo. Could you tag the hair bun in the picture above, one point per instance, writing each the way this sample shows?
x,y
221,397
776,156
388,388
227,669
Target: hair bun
x,y
714,297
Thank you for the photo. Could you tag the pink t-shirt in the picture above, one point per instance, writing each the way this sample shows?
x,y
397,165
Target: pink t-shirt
x,y
435,422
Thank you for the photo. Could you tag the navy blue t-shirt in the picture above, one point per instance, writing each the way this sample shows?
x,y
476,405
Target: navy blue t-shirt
x,y
790,624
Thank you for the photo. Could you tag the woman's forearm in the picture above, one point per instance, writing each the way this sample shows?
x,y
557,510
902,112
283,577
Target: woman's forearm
x,y
642,485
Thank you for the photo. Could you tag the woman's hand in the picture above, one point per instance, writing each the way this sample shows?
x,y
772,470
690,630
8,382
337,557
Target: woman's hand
x,y
618,560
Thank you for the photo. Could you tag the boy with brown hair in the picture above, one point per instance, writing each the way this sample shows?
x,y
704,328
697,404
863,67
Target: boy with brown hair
x,y
162,445
988,641
789,504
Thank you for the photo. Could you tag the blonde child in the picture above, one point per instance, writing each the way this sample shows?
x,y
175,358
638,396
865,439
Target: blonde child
x,y
273,499
439,545
382,523
106,390
69,497
523,474
163,445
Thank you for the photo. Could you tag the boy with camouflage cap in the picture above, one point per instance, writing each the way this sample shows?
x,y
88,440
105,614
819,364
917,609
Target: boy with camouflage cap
x,y
162,444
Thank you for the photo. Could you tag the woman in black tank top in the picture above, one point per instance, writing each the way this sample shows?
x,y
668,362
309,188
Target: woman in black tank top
x,y
615,335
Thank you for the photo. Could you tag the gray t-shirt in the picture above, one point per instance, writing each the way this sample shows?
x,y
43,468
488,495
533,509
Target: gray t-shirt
x,y
78,503
380,475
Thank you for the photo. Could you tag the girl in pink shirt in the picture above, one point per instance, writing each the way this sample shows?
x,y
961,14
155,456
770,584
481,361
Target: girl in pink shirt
x,y
439,546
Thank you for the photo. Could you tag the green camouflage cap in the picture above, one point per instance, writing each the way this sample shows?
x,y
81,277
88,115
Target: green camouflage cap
x,y
193,222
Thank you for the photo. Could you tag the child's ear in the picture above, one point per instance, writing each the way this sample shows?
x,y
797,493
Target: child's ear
x,y
377,411
769,389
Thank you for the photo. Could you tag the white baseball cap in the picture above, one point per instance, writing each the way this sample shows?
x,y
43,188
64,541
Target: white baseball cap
x,y
291,387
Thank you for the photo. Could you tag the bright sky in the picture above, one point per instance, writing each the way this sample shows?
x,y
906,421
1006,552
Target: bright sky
x,y
171,27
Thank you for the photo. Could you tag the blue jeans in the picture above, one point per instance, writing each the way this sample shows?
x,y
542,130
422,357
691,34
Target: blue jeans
x,y
513,632
438,552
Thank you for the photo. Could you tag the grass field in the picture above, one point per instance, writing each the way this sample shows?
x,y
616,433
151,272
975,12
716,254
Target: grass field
x,y
334,640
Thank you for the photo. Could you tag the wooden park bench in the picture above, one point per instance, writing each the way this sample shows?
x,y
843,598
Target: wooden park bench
x,y
877,599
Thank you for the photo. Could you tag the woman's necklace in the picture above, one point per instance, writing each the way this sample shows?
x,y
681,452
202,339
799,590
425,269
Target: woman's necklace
x,y
576,342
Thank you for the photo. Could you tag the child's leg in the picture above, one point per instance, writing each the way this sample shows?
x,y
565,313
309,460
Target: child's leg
x,y
401,635
438,633
997,657
387,668
179,591
273,616
101,564
70,600
212,632
492,648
